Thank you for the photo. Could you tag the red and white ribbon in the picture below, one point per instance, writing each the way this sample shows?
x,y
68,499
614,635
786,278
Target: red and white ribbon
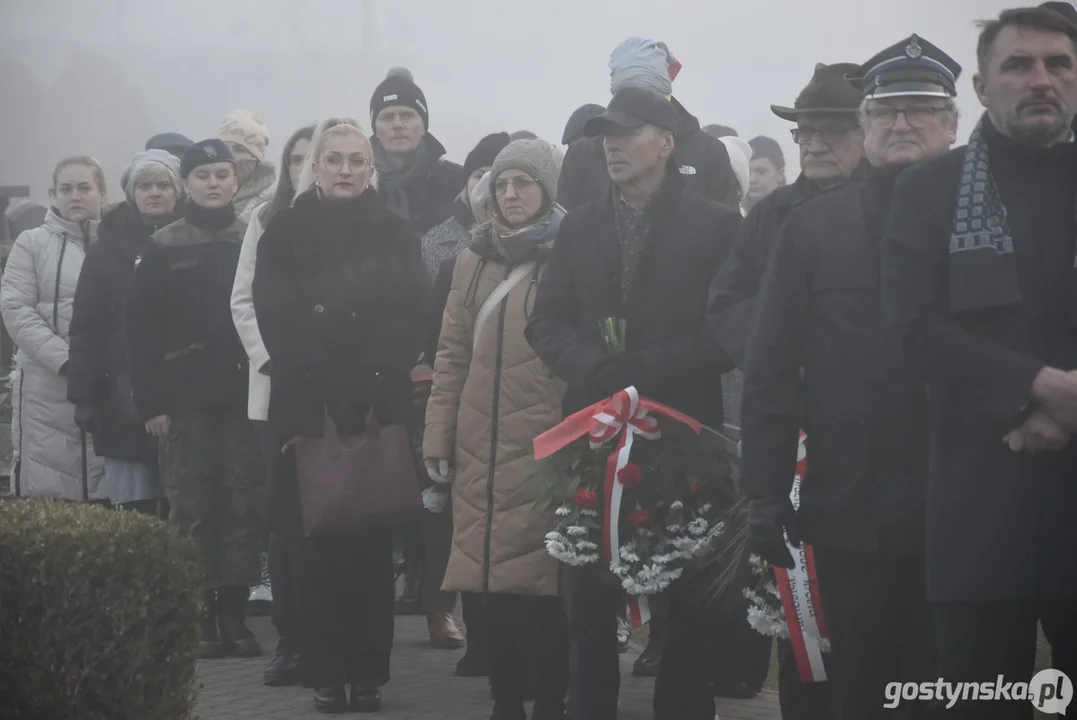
x,y
625,414
799,590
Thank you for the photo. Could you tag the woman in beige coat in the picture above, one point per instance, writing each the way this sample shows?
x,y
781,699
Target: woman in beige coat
x,y
491,396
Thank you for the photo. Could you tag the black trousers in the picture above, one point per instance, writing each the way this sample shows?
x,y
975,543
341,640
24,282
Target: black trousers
x,y
478,633
346,608
800,700
880,631
527,634
681,691
740,655
283,554
979,641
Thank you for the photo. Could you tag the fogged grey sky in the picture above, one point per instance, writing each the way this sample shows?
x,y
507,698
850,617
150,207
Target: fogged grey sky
x,y
99,76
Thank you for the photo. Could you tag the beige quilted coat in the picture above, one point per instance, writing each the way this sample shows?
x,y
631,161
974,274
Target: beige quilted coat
x,y
485,409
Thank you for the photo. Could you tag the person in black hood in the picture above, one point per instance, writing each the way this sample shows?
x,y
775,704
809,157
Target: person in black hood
x,y
189,376
700,158
98,379
821,357
417,182
576,121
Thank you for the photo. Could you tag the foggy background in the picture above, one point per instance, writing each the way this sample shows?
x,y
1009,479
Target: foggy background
x,y
99,77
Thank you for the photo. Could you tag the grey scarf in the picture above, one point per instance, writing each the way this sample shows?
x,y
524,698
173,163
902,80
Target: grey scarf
x,y
983,272
394,183
523,244
982,269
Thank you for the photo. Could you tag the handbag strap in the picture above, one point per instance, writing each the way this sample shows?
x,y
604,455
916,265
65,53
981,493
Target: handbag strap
x,y
500,293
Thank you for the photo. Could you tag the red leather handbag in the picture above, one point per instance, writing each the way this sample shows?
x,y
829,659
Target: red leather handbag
x,y
348,484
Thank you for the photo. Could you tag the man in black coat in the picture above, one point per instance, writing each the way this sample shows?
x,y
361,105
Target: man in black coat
x,y
645,254
700,158
980,287
821,356
831,151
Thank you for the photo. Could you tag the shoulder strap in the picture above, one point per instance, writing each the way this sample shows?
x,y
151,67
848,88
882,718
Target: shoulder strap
x,y
500,292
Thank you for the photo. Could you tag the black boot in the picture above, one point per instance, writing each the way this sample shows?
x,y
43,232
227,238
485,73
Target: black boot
x,y
209,647
650,660
283,669
551,710
238,641
365,700
509,711
331,700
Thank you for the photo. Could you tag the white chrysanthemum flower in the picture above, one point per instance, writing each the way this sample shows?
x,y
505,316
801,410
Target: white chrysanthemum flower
x,y
576,531
563,511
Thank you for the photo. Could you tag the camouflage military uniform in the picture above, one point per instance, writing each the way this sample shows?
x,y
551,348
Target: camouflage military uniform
x,y
188,363
213,476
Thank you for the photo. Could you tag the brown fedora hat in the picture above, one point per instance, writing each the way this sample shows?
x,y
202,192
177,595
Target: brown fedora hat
x,y
828,91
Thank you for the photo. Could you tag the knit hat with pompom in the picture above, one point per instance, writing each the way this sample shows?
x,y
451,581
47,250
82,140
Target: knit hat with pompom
x,y
399,88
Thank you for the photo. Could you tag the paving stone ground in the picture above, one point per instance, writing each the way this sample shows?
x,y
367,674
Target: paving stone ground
x,y
423,687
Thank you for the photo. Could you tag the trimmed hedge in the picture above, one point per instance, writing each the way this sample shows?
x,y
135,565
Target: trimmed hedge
x,y
99,614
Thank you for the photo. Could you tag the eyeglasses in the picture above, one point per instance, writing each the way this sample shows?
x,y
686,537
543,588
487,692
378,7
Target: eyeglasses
x,y
917,116
522,185
829,135
335,161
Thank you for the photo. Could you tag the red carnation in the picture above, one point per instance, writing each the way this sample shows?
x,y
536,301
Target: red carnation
x,y
639,517
586,498
630,475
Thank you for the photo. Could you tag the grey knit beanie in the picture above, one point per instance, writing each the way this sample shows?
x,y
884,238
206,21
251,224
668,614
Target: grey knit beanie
x,y
150,158
534,157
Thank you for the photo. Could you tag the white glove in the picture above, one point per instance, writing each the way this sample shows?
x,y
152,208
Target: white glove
x,y
435,499
440,471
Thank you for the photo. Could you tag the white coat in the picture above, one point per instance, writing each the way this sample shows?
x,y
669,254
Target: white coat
x,y
37,293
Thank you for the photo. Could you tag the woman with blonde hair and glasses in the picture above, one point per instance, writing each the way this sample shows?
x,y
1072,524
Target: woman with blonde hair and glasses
x,y
340,293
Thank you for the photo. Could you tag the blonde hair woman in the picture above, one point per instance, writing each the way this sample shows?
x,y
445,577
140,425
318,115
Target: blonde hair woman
x,y
340,295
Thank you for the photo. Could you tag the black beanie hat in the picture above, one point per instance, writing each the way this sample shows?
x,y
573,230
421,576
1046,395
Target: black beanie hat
x,y
399,88
485,152
206,152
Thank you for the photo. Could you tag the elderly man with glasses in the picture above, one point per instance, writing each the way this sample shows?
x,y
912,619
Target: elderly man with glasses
x,y
831,151
823,358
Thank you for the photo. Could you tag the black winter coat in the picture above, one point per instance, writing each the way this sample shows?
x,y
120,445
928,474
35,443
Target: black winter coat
x,y
701,158
822,353
186,355
690,238
98,371
432,199
732,303
1000,524
342,299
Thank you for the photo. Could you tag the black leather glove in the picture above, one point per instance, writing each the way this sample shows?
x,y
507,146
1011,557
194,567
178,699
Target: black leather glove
x,y
767,519
86,418
615,373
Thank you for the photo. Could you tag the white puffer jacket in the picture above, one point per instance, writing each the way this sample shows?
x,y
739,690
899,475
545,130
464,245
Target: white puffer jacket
x,y
246,322
37,292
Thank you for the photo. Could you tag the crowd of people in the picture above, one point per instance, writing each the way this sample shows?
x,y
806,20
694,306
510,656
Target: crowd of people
x,y
910,306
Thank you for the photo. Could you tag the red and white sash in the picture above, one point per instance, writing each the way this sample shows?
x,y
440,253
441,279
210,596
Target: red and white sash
x,y
799,589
